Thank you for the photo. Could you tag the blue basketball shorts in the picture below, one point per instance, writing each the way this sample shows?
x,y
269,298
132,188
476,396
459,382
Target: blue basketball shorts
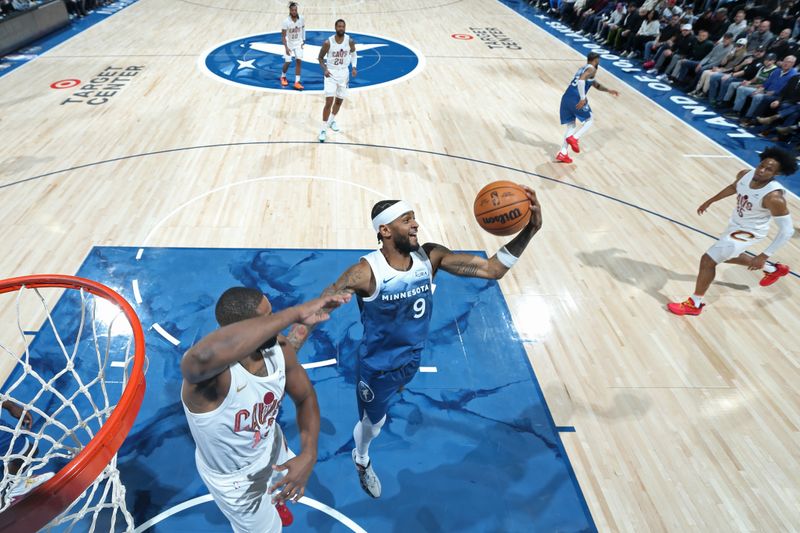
x,y
569,114
375,388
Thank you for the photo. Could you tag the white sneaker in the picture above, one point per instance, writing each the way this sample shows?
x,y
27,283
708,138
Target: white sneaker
x,y
23,486
652,71
333,126
322,136
366,476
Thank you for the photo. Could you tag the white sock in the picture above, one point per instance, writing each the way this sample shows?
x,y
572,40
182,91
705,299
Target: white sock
x,y
332,119
363,434
570,131
698,300
324,125
297,78
583,129
769,268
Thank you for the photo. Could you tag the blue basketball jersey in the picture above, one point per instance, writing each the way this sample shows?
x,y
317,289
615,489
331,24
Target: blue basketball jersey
x,y
396,317
572,90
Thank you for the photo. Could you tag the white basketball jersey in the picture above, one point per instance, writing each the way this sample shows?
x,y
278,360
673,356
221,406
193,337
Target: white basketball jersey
x,y
294,30
243,428
749,213
338,57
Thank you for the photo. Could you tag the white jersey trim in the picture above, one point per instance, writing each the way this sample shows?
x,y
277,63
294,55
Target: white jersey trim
x,y
379,264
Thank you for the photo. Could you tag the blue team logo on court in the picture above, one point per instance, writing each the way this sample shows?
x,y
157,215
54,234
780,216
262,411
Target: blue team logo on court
x,y
255,61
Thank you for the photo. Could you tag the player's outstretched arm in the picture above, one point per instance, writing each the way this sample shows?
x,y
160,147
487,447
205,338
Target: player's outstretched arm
x,y
321,57
15,410
298,469
229,344
496,266
356,279
776,203
730,190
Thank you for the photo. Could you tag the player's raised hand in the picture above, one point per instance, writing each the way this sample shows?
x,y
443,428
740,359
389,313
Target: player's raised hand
x,y
702,209
536,208
293,485
16,411
318,310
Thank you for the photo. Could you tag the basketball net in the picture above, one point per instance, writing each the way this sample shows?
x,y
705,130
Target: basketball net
x,y
69,376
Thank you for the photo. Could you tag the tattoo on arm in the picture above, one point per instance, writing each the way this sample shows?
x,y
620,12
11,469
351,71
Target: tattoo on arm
x,y
464,268
298,335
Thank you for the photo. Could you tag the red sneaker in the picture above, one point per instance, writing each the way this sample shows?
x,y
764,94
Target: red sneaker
x,y
286,515
649,64
298,86
284,81
685,308
563,158
573,143
769,279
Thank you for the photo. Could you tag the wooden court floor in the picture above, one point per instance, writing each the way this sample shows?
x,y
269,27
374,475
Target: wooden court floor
x,y
681,424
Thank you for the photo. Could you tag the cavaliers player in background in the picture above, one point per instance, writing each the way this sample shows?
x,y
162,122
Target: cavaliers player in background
x,y
394,289
337,55
293,36
759,199
233,383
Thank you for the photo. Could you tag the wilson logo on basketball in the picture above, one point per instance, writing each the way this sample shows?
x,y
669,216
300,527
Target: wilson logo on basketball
x,y
503,218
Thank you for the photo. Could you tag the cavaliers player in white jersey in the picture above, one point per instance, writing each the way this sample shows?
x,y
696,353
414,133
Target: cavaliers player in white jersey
x,y
338,53
233,384
759,199
293,35
394,289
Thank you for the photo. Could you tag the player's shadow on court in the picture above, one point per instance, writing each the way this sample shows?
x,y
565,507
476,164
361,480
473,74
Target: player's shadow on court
x,y
648,277
507,476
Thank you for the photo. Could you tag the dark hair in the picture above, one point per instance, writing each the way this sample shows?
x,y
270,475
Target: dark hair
x,y
292,4
786,159
237,304
379,208
591,56
338,21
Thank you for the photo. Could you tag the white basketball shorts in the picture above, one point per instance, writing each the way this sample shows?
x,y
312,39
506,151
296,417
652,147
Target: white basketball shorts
x,y
295,51
336,84
733,242
243,496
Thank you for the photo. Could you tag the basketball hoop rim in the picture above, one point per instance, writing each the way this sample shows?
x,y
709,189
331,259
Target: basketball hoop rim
x,y
43,504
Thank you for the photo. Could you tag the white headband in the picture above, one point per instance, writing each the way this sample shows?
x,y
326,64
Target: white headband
x,y
394,212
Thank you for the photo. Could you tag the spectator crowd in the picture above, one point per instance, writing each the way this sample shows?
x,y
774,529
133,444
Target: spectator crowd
x,y
739,56
76,8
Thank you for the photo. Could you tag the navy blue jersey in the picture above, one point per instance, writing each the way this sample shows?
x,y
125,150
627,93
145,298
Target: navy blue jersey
x,y
571,98
397,316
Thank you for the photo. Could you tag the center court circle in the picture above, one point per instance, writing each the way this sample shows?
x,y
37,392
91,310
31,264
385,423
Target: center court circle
x,y
255,62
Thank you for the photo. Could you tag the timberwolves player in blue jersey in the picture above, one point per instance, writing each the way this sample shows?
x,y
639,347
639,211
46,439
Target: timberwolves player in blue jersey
x,y
394,289
575,106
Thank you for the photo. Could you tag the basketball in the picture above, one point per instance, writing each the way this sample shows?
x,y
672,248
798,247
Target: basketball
x,y
502,208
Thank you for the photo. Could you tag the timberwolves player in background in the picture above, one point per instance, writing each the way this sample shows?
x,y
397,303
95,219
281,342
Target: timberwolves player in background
x,y
234,380
338,53
575,106
759,199
293,35
393,286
